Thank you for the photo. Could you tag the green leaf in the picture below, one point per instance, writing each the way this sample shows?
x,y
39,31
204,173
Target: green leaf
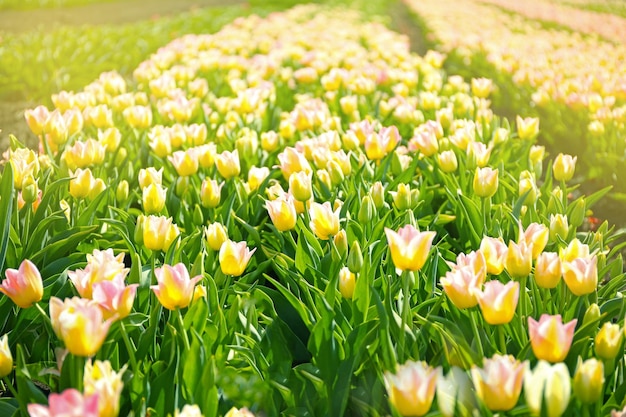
x,y
6,210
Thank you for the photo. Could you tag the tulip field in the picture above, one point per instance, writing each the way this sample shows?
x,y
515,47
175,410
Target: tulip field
x,y
298,216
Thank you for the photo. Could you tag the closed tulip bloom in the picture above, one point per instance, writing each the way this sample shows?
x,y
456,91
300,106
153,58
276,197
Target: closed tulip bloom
x,y
210,193
519,260
324,221
282,211
499,382
499,301
548,270
409,247
159,233
80,324
589,380
575,249
411,389
495,252
36,119
347,282
82,183
256,176
100,379
547,385
462,285
6,359
581,275
174,288
228,164
24,285
215,234
537,235
447,161
234,257
563,167
70,403
550,339
153,199
485,182
608,341
559,226
114,298
300,186
185,163
138,117
149,176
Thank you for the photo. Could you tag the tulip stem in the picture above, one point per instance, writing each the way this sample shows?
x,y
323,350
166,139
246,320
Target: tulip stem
x,y
46,319
10,386
129,348
182,330
500,330
406,299
479,343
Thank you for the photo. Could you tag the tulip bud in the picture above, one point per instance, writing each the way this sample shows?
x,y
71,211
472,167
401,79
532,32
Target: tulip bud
x,y
269,141
121,193
355,258
6,359
367,211
402,197
608,341
181,186
558,227
341,243
324,178
30,189
589,380
122,153
215,234
210,193
153,199
592,314
563,167
335,172
300,186
198,217
527,128
577,216
139,228
378,195
447,161
347,282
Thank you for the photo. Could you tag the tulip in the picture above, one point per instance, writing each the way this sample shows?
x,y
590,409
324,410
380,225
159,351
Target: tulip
x,y
158,232
462,285
426,142
447,161
527,128
228,164
215,235
537,235
300,186
153,198
149,176
412,388
563,167
100,379
110,138
282,212
575,249
6,359
581,275
36,119
238,412
324,221
559,227
70,403
499,382
174,288
409,247
347,282
495,252
185,162
547,385
24,285
189,411
550,339
589,380
138,117
292,160
518,261
101,266
548,270
210,193
114,298
608,341
485,182
455,394
82,183
234,257
79,323
499,301
256,176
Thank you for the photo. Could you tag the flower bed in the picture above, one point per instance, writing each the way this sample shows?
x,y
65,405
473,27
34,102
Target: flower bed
x,y
298,216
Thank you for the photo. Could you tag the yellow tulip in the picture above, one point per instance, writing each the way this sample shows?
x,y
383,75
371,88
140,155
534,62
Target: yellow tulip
x,y
412,388
175,288
234,257
589,380
347,282
324,221
550,339
485,182
519,259
228,164
499,382
282,211
547,385
548,270
153,199
6,359
409,247
608,341
215,235
24,285
563,167
499,301
581,275
101,379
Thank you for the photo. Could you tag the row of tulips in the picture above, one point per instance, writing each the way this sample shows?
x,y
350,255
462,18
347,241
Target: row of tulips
x,y
298,216
573,82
